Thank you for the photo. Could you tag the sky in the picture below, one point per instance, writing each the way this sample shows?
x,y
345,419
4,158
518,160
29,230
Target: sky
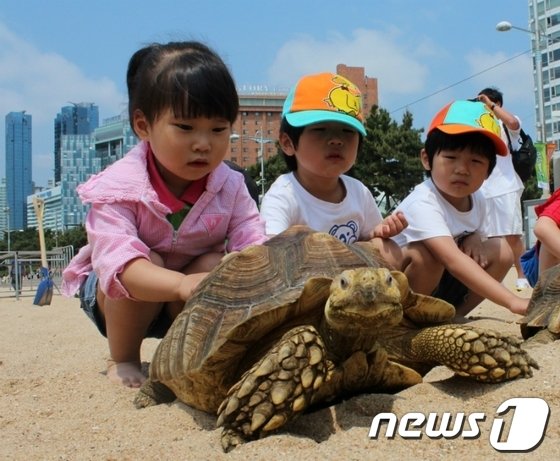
x,y
423,53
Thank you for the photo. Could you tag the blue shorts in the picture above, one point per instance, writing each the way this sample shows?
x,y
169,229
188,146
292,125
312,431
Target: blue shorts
x,y
88,302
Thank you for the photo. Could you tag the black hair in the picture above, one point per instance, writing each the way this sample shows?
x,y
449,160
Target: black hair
x,y
251,184
478,143
495,95
187,77
294,133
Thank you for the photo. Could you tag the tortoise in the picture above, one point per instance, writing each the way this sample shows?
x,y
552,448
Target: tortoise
x,y
304,319
542,321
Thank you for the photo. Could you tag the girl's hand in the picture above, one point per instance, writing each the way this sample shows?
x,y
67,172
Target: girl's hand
x,y
391,225
189,284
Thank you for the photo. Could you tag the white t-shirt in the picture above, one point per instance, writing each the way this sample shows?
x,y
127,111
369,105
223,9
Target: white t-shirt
x,y
504,179
430,215
287,203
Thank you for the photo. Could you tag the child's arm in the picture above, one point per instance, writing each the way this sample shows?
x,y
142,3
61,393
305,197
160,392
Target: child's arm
x,y
146,281
474,277
547,231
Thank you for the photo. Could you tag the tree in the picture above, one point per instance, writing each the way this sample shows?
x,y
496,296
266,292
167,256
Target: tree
x,y
75,236
28,239
389,162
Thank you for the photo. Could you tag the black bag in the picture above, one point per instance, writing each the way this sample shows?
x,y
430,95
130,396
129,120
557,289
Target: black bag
x,y
525,157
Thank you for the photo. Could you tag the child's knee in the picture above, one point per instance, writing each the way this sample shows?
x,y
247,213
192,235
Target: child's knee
x,y
499,251
203,263
389,251
418,255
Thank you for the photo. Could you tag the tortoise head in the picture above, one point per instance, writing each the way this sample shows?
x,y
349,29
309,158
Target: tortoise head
x,y
364,299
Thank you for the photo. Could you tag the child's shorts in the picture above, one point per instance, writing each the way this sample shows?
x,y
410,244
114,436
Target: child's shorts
x,y
451,290
88,302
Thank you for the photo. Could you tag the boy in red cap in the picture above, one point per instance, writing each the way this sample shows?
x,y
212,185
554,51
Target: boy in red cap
x,y
446,252
321,133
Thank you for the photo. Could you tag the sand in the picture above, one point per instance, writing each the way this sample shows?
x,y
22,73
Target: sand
x,y
57,404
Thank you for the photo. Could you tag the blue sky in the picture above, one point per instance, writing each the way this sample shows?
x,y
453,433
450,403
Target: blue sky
x,y
423,53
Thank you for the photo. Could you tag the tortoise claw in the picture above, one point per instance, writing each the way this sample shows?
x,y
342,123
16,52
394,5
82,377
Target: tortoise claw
x,y
230,440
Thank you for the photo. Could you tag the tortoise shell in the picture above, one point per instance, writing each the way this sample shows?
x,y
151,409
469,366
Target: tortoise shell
x,y
247,302
544,307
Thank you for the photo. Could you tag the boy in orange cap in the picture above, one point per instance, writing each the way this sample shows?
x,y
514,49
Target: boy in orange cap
x,y
446,252
321,133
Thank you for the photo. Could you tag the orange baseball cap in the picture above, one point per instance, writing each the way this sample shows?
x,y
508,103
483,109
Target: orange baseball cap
x,y
324,97
470,117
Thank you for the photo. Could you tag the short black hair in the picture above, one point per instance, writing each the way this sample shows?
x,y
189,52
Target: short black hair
x,y
495,95
294,133
187,77
437,141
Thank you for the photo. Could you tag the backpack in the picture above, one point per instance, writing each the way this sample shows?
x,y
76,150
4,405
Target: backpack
x,y
524,158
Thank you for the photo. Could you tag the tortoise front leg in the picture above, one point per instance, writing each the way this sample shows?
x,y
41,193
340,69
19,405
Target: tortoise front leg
x,y
276,389
482,354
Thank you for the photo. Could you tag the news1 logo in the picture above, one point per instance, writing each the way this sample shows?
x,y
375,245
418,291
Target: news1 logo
x,y
527,425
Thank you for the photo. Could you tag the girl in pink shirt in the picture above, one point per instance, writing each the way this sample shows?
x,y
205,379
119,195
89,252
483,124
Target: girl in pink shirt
x,y
163,216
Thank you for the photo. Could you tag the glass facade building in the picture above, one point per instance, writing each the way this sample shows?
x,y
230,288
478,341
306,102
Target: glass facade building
x,y
80,118
85,155
19,182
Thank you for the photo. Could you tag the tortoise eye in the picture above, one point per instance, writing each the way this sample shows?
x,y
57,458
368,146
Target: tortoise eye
x,y
343,282
389,279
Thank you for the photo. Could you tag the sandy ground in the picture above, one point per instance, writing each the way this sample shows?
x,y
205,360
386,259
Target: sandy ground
x,y
56,403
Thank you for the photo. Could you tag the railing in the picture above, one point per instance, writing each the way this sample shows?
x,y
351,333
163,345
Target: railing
x,y
19,270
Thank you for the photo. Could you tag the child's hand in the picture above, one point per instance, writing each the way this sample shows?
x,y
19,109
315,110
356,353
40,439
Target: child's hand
x,y
472,246
519,305
189,283
391,225
484,99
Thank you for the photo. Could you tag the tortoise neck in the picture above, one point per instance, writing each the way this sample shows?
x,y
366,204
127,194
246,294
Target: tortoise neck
x,y
342,344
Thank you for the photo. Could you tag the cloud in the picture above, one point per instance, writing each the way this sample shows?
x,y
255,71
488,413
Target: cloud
x,y
41,83
397,67
512,76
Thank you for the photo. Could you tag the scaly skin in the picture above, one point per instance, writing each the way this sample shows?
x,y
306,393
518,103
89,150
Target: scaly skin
x,y
275,389
482,354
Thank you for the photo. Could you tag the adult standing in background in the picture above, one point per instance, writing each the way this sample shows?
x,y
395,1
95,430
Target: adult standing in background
x,y
503,188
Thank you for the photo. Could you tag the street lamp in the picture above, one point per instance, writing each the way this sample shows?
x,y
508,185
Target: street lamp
x,y
7,211
541,44
260,140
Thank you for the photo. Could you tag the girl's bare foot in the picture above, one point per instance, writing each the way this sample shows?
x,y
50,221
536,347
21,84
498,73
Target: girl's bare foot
x,y
128,374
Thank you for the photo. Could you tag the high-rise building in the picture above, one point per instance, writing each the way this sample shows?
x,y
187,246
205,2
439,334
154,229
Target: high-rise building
x,y
79,118
18,168
544,26
88,154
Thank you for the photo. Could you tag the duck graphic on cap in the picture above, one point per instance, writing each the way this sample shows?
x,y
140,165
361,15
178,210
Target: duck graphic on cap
x,y
345,96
